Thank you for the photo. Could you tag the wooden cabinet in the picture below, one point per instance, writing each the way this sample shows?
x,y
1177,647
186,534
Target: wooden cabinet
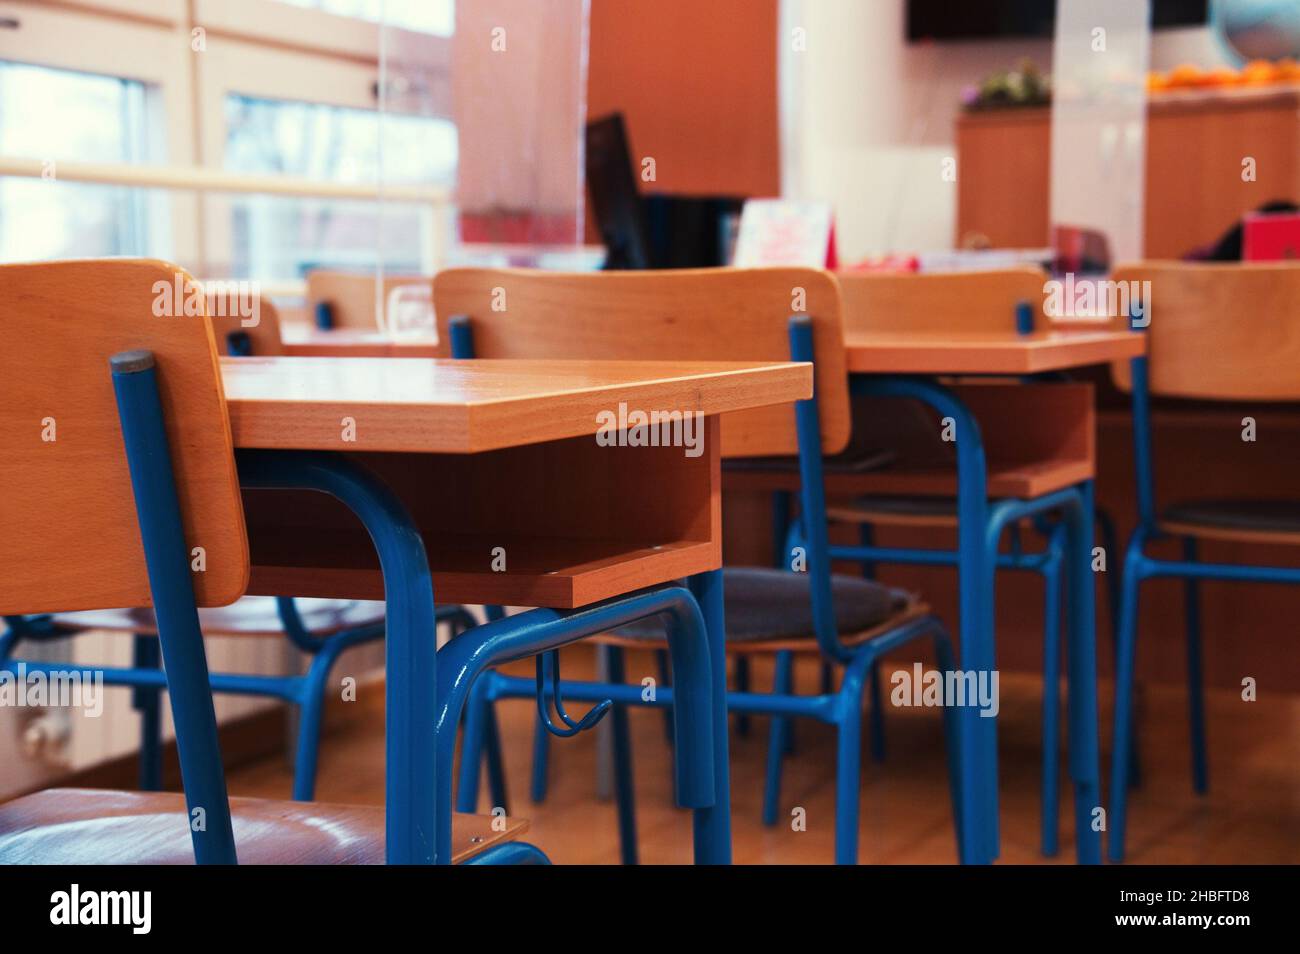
x,y
1197,143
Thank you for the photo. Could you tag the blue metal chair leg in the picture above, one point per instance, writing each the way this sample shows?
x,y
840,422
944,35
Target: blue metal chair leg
x,y
624,788
312,689
541,760
783,684
742,685
1195,678
848,760
478,710
877,715
713,823
1114,576
495,760
147,701
951,730
1051,768
1134,566
698,698
1084,748
665,679
866,537
310,715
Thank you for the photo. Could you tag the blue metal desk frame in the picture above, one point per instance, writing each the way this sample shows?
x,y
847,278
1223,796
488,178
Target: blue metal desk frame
x,y
980,526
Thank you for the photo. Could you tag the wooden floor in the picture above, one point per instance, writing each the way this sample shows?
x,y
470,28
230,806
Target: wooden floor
x,y
1251,815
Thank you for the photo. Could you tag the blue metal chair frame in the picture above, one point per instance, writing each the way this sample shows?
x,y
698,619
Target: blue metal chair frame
x,y
842,708
1139,567
147,682
1048,562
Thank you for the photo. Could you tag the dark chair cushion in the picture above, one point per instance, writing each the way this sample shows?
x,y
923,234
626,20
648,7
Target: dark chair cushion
x,y
1255,516
903,506
854,460
766,604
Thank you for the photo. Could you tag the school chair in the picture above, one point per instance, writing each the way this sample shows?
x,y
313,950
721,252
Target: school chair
x,y
102,512
718,314
1001,301
346,299
1228,333
241,335
319,629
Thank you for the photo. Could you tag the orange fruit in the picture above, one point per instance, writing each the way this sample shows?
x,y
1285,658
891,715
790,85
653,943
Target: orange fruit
x,y
1184,75
1259,73
1221,76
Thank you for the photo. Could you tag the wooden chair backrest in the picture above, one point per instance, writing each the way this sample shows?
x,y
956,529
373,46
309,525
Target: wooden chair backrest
x,y
228,308
70,538
1227,332
950,301
720,314
352,295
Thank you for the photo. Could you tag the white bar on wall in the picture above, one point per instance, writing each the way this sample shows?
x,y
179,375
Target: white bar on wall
x,y
214,180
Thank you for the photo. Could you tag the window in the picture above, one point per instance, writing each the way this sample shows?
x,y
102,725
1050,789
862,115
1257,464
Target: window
x,y
276,238
422,16
53,115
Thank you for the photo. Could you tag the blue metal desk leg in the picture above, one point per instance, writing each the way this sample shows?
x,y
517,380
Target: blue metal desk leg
x,y
977,831
713,825
1084,749
625,792
410,643
410,707
1051,769
979,791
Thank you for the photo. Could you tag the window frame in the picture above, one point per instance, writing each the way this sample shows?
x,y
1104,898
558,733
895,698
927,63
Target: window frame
x,y
155,55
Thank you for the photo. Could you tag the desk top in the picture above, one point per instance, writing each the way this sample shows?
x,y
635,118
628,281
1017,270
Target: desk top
x,y
926,352
307,340
445,406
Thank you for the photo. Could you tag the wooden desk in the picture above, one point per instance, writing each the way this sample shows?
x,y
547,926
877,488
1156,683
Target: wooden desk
x,y
1038,437
891,352
497,473
304,340
494,456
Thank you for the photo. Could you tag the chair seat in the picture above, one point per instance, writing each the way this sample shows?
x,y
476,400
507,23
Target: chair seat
x,y
767,606
920,511
853,460
916,511
250,616
1234,518
68,826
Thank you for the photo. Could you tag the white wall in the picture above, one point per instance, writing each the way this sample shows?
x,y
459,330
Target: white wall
x,y
867,117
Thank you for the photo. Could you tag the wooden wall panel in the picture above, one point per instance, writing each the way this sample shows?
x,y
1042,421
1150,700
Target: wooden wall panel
x,y
697,83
